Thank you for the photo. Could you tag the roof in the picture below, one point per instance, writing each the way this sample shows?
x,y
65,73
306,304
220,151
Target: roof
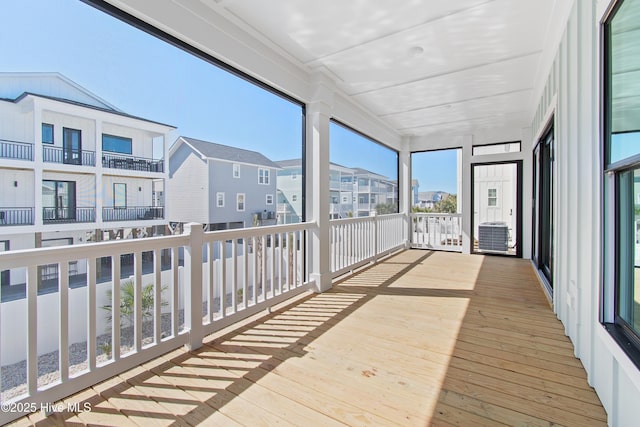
x,y
212,150
93,107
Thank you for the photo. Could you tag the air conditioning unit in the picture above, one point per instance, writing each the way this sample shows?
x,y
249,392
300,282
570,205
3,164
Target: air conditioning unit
x,y
493,236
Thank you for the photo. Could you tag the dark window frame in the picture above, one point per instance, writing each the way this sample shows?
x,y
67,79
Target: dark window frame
x,y
53,135
118,138
622,332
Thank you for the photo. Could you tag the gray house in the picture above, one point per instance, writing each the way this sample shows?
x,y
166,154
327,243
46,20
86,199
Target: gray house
x,y
220,186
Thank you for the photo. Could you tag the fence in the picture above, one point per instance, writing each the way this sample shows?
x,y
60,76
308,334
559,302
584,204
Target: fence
x,y
436,231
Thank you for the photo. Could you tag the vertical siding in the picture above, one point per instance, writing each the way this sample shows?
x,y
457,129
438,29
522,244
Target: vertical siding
x,y
572,92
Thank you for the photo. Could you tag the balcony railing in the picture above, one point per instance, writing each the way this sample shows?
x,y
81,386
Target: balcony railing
x,y
68,215
437,231
16,216
16,150
226,276
358,241
132,163
199,283
132,213
69,157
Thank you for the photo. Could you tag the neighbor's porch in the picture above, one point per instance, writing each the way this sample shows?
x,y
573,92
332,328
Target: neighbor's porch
x,y
423,337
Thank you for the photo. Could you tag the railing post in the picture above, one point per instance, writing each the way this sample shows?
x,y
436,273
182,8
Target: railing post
x,y
374,218
193,284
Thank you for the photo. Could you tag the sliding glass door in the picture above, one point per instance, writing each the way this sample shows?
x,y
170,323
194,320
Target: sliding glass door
x,y
543,207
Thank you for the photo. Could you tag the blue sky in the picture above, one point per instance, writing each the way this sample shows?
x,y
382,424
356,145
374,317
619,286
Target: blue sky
x,y
148,78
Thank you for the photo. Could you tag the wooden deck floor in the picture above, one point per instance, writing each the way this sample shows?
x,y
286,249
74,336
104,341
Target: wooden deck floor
x,y
425,338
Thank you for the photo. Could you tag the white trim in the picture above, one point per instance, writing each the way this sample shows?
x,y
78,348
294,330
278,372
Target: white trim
x,y
267,199
218,195
236,168
244,202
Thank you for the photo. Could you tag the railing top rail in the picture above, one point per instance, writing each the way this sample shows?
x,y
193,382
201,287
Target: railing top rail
x,y
42,256
241,233
431,214
364,218
129,156
16,142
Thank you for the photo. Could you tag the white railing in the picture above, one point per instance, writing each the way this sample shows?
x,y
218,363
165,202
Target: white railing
x,y
358,241
436,231
149,305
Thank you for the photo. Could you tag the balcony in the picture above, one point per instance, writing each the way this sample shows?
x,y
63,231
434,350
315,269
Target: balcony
x,y
132,163
132,213
16,216
68,215
68,157
15,150
420,338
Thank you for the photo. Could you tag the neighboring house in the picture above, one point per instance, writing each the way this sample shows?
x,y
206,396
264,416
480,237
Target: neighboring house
x,y
372,190
220,186
290,191
415,186
428,199
352,191
73,168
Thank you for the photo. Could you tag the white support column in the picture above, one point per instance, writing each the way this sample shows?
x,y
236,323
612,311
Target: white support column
x,y
404,185
464,199
99,192
37,163
317,179
193,285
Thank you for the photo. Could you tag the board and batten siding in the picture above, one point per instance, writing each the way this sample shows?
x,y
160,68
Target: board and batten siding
x,y
571,97
188,187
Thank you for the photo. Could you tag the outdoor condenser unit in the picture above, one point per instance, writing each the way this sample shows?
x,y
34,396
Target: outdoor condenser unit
x,y
493,236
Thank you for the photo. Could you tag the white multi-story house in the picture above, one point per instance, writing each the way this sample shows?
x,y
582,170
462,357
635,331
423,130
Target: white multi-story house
x,y
73,168
220,186
352,191
372,189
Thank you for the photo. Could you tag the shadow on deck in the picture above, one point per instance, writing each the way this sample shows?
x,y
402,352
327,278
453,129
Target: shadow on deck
x,y
422,338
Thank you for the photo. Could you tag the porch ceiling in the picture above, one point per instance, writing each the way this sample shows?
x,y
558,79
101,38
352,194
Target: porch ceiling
x,y
422,66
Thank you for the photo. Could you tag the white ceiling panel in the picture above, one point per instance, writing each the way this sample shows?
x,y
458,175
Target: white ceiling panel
x,y
421,66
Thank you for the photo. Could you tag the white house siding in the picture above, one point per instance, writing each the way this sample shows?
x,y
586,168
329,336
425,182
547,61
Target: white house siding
x,y
20,195
188,187
139,190
17,124
61,120
142,140
571,95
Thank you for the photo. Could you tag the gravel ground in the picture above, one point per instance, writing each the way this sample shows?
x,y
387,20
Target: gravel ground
x,y
13,377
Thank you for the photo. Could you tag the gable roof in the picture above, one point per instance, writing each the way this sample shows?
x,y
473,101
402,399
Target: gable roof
x,y
52,85
211,150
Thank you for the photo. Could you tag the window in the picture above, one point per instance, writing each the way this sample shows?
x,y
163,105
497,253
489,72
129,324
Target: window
x,y
119,196
58,200
500,148
72,146
621,312
240,202
116,144
269,199
220,200
345,199
263,176
294,175
294,198
47,133
236,170
492,199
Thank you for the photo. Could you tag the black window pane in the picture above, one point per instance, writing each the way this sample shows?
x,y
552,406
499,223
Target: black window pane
x,y
47,133
116,144
629,248
624,82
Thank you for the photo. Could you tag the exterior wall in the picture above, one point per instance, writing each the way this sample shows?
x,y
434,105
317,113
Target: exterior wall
x,y
139,190
290,187
17,125
16,196
59,121
221,180
188,187
571,96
